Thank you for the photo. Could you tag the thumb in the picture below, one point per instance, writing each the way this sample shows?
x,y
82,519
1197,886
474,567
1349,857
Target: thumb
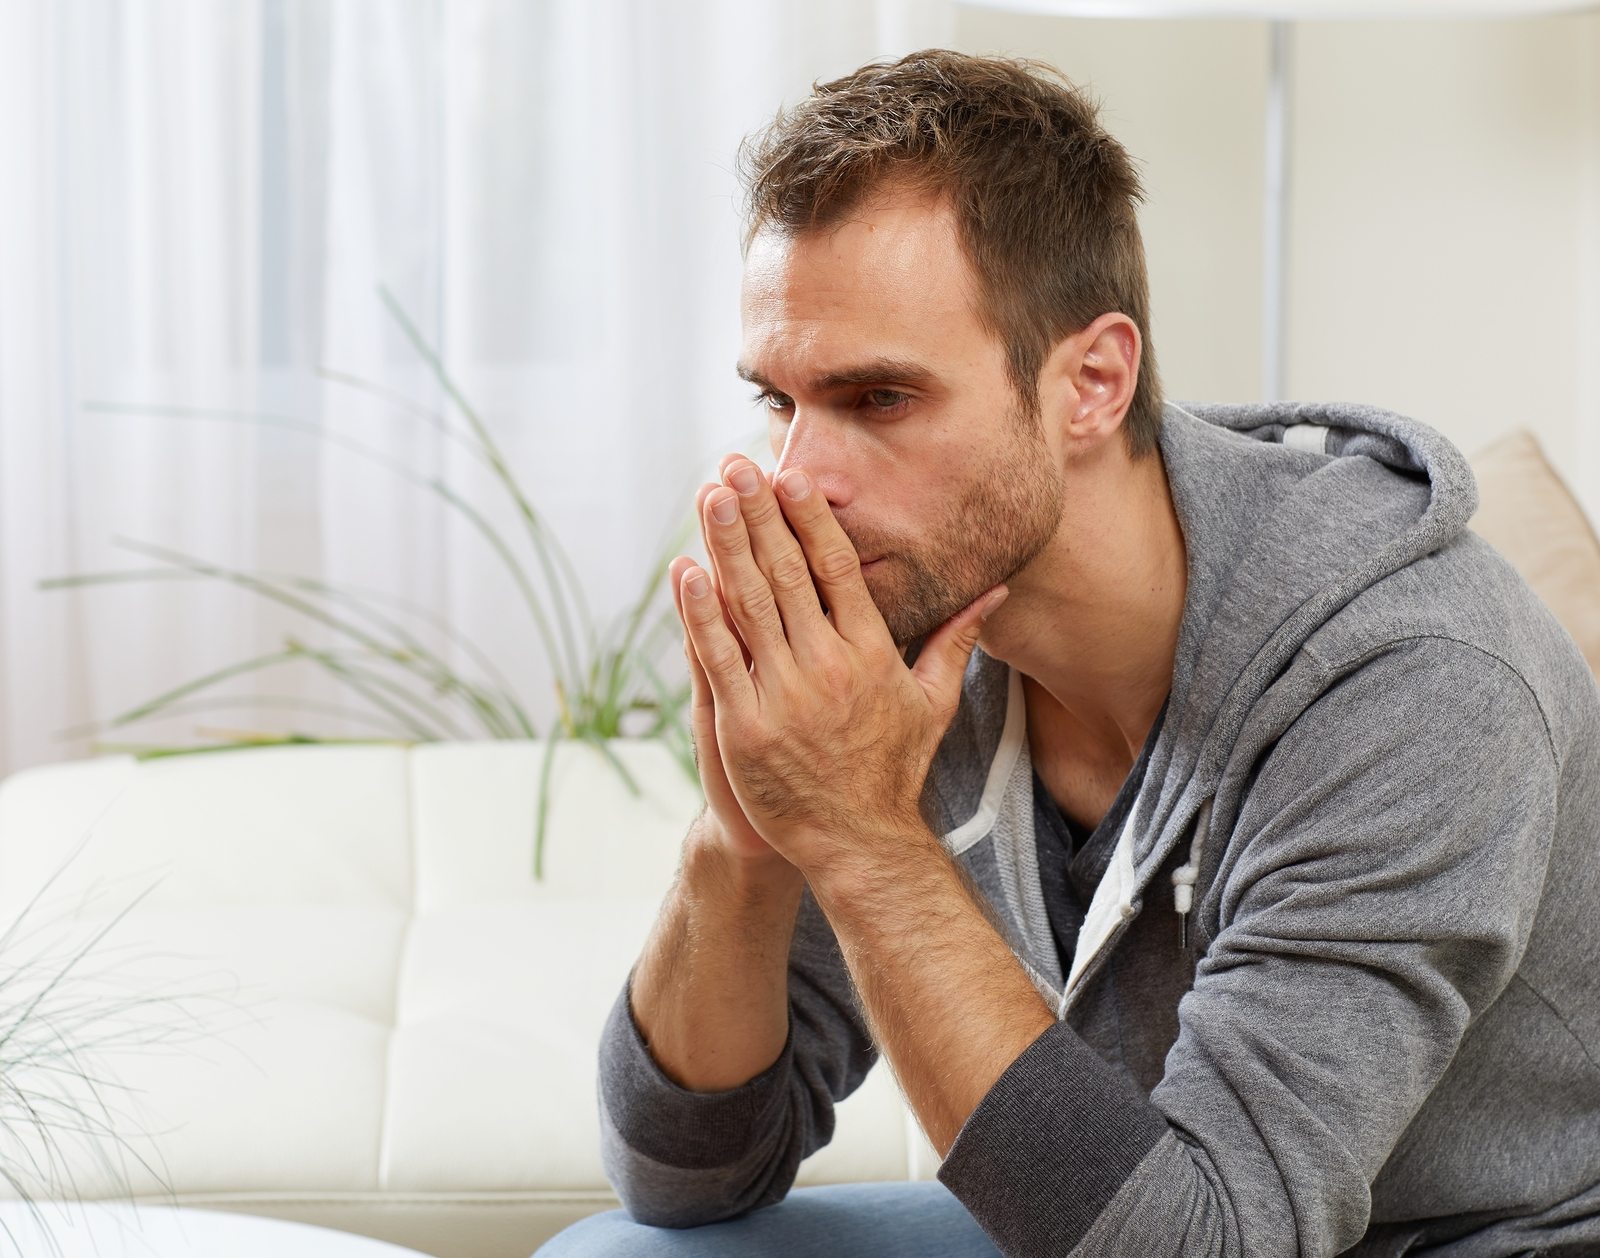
x,y
942,662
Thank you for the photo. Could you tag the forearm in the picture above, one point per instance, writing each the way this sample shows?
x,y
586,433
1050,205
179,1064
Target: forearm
x,y
711,992
948,1003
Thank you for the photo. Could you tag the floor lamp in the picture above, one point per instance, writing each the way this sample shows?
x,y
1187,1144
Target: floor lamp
x,y
1280,100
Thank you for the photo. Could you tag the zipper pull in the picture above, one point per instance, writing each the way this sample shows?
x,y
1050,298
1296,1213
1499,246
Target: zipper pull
x,y
1183,880
1187,874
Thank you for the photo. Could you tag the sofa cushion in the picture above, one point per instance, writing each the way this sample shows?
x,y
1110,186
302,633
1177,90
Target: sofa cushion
x,y
1528,514
361,1009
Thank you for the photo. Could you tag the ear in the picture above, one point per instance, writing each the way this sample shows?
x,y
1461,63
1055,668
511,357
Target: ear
x,y
1093,372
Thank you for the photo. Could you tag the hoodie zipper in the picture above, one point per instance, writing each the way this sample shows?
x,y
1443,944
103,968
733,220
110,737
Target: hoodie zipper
x,y
1184,879
1098,961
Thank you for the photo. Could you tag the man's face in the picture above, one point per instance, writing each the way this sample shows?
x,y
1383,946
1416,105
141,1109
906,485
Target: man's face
x,y
879,380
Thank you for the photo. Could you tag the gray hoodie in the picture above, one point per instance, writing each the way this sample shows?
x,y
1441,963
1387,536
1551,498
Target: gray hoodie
x,y
1339,987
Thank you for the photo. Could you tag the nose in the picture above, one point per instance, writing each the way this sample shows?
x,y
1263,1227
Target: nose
x,y
815,443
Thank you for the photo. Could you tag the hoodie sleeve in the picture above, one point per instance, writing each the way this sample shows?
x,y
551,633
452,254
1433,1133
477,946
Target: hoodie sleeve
x,y
1376,895
679,1158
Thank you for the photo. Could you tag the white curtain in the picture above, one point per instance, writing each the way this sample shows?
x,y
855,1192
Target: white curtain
x,y
202,204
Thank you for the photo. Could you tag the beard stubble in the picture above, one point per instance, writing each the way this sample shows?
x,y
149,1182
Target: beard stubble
x,y
1002,519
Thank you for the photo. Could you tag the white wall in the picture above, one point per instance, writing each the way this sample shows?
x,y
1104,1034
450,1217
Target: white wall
x,y
1445,229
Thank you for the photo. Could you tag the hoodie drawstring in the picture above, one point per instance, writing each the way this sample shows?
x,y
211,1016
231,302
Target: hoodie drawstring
x,y
1185,875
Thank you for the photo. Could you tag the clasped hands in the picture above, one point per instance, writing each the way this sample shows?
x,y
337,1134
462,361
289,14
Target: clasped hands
x,y
812,735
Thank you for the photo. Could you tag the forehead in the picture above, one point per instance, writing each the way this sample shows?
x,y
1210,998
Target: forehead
x,y
891,276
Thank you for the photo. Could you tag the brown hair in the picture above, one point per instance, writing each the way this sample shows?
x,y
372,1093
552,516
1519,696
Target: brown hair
x,y
1043,196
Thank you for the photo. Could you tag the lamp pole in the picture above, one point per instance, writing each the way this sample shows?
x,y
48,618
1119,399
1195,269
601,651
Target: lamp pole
x,y
1275,216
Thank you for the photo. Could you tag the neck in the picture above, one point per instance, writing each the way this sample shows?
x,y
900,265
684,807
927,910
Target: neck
x,y
1092,623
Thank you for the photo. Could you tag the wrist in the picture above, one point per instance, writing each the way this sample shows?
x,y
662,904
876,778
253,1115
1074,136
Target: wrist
x,y
876,861
753,880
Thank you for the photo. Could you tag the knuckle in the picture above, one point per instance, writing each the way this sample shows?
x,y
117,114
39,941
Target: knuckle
x,y
837,564
834,674
790,572
760,510
723,658
751,607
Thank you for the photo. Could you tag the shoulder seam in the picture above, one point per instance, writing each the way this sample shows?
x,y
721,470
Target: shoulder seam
x,y
1555,1013
1332,668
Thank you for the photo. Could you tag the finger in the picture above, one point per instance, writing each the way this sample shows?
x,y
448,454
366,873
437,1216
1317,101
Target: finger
x,y
699,687
722,469
833,561
779,556
727,461
744,586
731,686
942,663
716,576
703,711
702,706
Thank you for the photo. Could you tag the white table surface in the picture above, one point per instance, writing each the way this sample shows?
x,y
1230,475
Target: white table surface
x,y
111,1229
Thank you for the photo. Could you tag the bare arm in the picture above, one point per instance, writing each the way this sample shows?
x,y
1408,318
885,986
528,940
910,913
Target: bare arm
x,y
711,991
724,1056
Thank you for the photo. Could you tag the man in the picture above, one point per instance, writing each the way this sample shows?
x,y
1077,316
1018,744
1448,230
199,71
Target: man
x,y
1235,896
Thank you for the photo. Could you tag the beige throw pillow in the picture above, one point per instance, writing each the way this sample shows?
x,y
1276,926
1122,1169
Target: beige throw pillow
x,y
1528,514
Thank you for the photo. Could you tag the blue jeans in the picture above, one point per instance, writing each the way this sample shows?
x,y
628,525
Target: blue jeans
x,y
897,1219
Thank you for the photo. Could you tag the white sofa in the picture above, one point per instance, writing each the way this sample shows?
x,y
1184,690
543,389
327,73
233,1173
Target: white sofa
x,y
410,1052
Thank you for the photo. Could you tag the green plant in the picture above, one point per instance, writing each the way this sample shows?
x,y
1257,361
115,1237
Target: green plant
x,y
57,1021
600,679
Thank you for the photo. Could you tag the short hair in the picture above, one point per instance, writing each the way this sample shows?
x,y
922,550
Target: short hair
x,y
1044,198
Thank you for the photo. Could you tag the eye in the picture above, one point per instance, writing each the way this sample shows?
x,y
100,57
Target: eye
x,y
886,399
772,401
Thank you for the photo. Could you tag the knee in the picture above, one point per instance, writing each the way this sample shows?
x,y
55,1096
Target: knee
x,y
613,1234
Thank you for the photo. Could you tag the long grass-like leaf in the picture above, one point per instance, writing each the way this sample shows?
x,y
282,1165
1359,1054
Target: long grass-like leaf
x,y
157,751
364,679
484,703
433,484
653,586
188,687
506,691
416,665
544,808
669,728
64,1022
267,701
545,543
603,746
403,403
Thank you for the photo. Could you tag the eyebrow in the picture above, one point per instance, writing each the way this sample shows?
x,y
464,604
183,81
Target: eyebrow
x,y
874,371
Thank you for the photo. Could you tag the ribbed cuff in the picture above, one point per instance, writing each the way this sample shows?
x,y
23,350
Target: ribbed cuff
x,y
1050,1145
668,1122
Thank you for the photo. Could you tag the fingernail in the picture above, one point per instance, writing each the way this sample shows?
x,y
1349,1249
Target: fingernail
x,y
995,599
745,479
696,583
795,485
724,509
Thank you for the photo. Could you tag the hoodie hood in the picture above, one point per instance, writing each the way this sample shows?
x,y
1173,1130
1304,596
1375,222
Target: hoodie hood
x,y
1289,512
